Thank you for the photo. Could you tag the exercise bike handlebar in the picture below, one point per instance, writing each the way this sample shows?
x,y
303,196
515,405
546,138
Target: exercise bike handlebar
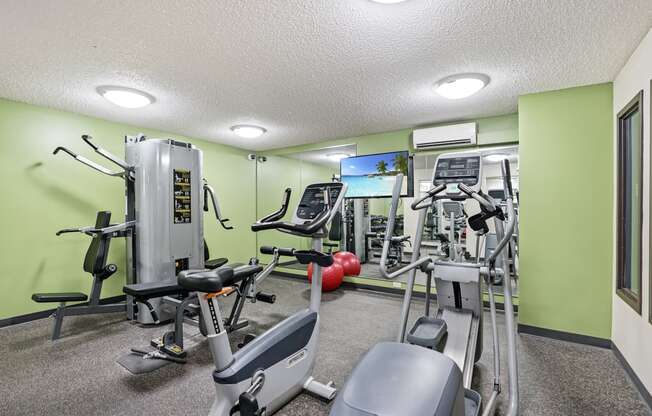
x,y
280,213
308,228
288,252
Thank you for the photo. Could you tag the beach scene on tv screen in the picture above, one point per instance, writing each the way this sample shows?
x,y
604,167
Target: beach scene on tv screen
x,y
374,175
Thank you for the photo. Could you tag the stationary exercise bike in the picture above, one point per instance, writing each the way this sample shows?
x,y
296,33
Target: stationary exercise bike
x,y
277,365
428,371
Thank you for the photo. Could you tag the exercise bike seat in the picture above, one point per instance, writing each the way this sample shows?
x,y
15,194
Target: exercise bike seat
x,y
396,379
206,281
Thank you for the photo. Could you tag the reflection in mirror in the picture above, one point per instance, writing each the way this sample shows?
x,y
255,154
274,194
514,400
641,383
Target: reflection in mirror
x,y
298,170
446,233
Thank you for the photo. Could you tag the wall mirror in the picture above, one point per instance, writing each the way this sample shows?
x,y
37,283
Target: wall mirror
x,y
445,227
364,220
295,170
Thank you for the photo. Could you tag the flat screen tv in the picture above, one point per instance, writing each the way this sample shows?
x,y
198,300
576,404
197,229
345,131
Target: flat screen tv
x,y
373,176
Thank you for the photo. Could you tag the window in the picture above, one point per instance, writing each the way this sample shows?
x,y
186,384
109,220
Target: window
x,y
630,202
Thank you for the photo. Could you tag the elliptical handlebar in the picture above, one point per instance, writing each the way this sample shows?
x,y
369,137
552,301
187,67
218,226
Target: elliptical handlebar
x,y
432,192
487,204
389,231
507,179
511,212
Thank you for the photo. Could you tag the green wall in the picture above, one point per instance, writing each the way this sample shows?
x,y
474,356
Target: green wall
x,y
566,210
44,193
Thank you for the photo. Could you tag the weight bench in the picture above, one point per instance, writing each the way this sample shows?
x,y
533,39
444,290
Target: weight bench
x,y
95,264
237,276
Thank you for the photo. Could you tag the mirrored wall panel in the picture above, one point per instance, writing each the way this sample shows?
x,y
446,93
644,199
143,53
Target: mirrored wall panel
x,y
365,213
446,232
296,171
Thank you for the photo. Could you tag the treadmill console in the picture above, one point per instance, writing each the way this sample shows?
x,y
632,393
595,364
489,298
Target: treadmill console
x,y
312,200
455,168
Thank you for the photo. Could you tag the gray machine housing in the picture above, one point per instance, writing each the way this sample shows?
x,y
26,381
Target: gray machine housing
x,y
165,199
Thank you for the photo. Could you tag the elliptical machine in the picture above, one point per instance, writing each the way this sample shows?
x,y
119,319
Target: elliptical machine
x,y
277,365
428,371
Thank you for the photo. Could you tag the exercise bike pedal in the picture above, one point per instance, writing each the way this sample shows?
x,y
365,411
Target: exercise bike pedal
x,y
248,406
266,297
247,339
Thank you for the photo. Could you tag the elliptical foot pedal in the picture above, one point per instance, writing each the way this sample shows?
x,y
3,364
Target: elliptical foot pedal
x,y
427,332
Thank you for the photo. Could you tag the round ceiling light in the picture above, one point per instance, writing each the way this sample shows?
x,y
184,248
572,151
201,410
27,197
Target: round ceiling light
x,y
338,156
388,1
248,131
459,86
125,97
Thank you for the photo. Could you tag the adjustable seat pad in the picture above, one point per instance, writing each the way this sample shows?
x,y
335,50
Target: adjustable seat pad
x,y
395,379
59,297
154,289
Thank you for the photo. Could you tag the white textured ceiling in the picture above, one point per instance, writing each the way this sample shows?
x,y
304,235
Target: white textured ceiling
x,y
307,70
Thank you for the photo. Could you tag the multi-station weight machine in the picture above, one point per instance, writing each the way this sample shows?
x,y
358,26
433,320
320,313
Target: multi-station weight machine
x,y
164,227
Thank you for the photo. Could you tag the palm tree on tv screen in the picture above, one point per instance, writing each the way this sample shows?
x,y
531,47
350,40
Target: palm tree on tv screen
x,y
401,163
381,166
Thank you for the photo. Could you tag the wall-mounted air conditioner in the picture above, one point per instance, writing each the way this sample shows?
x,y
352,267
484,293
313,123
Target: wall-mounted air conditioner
x,y
455,135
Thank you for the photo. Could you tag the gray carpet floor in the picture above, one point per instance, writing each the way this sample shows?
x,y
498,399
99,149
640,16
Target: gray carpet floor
x,y
78,375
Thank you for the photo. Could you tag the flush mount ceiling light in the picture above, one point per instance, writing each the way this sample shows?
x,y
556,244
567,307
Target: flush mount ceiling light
x,y
248,131
459,86
337,156
388,1
497,157
125,97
